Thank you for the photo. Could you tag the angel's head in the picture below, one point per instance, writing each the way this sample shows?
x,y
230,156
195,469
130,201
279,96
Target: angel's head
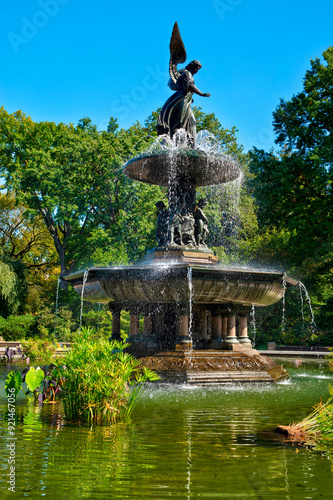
x,y
194,66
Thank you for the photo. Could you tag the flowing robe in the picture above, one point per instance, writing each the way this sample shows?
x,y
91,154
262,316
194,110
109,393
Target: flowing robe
x,y
176,112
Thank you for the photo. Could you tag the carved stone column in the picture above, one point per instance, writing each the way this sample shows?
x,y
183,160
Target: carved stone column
x,y
243,313
159,324
116,312
224,326
134,324
183,327
149,338
216,341
231,337
147,324
243,336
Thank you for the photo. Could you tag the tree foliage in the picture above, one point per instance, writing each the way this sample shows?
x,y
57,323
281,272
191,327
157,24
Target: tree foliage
x,y
72,177
293,187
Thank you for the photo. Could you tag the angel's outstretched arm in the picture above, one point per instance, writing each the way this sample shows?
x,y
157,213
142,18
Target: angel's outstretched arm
x,y
195,90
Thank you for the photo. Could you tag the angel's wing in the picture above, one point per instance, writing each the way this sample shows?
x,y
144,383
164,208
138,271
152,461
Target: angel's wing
x,y
177,53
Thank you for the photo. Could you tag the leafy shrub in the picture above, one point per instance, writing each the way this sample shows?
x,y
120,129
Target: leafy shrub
x,y
17,327
101,321
35,348
60,328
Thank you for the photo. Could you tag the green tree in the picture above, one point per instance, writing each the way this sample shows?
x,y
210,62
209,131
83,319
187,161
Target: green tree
x,y
293,187
73,178
13,287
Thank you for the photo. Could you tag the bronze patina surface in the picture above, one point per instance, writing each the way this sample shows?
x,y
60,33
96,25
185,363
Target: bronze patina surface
x,y
189,316
191,167
212,284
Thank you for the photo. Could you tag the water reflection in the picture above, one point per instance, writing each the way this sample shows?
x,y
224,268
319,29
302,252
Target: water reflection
x,y
181,443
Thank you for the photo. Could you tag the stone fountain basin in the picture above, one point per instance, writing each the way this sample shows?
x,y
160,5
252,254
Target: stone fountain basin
x,y
212,284
191,167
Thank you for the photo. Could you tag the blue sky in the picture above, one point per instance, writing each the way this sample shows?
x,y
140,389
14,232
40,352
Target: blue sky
x,y
65,59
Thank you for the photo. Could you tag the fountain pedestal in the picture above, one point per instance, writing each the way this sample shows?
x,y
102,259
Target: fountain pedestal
x,y
207,367
195,310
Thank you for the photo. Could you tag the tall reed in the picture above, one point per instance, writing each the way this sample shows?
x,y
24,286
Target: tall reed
x,y
101,381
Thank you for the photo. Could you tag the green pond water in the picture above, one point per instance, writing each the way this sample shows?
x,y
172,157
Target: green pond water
x,y
183,442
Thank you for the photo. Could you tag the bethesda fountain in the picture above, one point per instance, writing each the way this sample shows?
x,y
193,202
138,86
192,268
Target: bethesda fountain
x,y
195,310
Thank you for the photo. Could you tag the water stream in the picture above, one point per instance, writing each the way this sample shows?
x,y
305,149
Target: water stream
x,y
253,325
284,284
85,277
190,301
303,288
56,308
301,301
98,315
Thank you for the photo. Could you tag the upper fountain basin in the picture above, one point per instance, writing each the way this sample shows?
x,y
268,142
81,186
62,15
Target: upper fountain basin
x,y
190,166
212,284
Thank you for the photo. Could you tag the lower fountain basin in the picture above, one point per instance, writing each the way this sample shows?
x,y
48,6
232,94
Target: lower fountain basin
x,y
167,283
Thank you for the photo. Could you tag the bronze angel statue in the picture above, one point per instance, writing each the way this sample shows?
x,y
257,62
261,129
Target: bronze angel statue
x,y
177,113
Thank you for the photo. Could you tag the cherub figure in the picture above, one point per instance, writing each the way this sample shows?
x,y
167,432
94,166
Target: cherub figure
x,y
176,229
200,229
177,113
162,224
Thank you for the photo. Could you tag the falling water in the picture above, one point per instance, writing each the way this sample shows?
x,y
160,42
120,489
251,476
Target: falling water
x,y
172,189
253,325
99,308
303,288
85,277
56,307
205,142
284,284
302,301
190,288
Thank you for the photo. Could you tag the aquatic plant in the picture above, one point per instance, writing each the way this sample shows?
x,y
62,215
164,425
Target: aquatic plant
x,y
13,383
316,428
43,383
97,379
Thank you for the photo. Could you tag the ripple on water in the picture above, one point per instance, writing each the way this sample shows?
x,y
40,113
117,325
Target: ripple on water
x,y
182,442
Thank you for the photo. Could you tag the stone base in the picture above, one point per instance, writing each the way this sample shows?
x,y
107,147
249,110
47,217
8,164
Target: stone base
x,y
216,343
187,255
233,347
184,346
214,367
